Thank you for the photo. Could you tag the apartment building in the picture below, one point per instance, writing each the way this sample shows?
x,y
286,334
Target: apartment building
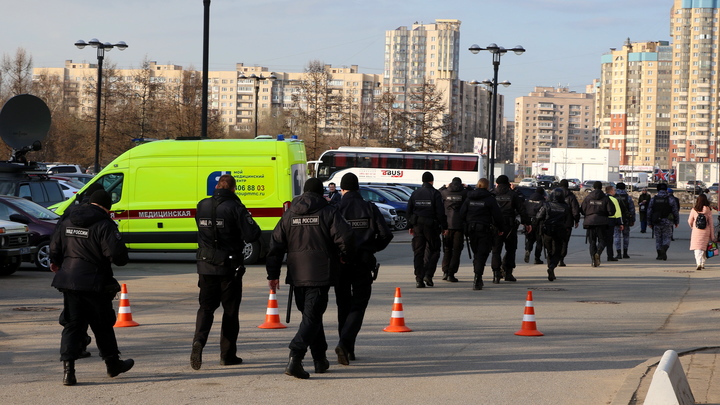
x,y
551,117
634,103
420,54
694,27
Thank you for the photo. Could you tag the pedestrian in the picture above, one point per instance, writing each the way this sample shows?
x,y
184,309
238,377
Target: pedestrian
x,y
82,250
334,195
315,237
643,201
224,226
453,197
572,201
596,209
354,287
533,240
616,222
427,220
663,213
483,221
622,234
554,220
702,229
511,205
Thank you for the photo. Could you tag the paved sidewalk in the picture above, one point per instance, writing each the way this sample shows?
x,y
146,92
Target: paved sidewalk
x,y
701,369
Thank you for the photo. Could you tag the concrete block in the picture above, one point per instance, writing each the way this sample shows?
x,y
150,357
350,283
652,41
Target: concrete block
x,y
669,384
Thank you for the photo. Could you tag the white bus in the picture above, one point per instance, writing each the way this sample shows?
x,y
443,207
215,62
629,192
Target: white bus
x,y
390,165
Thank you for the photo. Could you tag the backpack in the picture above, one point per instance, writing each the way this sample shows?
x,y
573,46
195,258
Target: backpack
x,y
700,221
661,209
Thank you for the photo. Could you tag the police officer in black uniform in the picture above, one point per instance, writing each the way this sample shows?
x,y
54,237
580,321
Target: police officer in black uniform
x,y
453,197
533,240
315,236
554,220
596,208
483,220
224,225
352,292
511,204
82,249
572,201
426,216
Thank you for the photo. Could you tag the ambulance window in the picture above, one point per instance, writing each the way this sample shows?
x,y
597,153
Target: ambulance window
x,y
112,183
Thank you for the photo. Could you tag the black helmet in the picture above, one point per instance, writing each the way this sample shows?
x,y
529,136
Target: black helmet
x,y
558,195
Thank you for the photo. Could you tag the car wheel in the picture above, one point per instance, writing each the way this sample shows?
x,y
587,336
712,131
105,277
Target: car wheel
x,y
11,266
251,252
42,256
402,223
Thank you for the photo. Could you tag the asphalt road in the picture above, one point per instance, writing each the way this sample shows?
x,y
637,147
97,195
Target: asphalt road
x,y
599,324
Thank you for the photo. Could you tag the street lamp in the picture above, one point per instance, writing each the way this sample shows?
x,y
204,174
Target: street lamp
x,y
497,52
101,48
488,84
257,80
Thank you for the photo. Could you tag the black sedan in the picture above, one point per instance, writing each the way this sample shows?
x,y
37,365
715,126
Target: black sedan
x,y
39,219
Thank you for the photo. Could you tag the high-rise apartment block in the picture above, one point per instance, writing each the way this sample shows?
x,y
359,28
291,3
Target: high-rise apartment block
x,y
634,103
551,117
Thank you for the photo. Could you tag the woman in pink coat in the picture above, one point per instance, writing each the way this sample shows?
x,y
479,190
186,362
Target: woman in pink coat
x,y
699,238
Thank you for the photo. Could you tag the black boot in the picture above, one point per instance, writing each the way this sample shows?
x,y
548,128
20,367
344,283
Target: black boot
x,y
625,254
295,368
477,283
497,275
196,355
659,255
445,276
664,249
562,263
619,254
509,275
69,372
115,366
551,274
321,366
527,256
451,278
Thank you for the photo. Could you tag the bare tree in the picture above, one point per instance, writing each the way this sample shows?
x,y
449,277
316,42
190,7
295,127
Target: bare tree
x,y
425,117
312,103
15,74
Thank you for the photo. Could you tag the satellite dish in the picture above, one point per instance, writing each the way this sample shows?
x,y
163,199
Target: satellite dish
x,y
24,121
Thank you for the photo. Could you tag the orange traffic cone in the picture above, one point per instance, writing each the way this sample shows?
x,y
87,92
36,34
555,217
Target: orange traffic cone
x,y
528,325
397,319
272,316
124,312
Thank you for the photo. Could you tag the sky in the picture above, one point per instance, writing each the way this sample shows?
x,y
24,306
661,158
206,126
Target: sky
x,y
564,39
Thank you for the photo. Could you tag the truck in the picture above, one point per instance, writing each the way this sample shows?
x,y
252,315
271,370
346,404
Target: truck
x,y
706,173
636,181
14,244
155,187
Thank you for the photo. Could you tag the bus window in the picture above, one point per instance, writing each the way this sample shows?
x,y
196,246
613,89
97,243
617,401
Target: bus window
x,y
393,162
438,162
464,163
344,160
368,160
416,162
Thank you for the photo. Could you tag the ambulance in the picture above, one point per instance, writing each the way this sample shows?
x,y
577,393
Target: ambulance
x,y
155,187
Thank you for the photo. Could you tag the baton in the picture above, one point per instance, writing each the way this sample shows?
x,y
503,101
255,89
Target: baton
x,y
289,306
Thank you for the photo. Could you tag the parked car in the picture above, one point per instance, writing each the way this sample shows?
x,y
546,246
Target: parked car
x,y
37,188
695,186
388,213
713,188
528,182
574,184
39,220
14,243
546,181
56,169
587,185
69,186
526,192
79,177
382,196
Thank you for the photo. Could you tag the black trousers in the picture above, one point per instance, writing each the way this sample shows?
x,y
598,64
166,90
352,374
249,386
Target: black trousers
x,y
533,240
426,250
565,244
452,248
80,309
216,290
481,244
312,302
352,295
596,236
553,246
509,241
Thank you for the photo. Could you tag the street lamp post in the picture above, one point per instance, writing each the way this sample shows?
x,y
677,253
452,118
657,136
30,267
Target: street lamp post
x,y
489,86
256,82
497,52
101,48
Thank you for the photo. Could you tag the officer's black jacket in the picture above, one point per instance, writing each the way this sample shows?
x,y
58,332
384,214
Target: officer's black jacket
x,y
511,204
426,202
314,235
235,227
596,208
480,207
83,246
572,202
453,197
533,204
372,234
556,213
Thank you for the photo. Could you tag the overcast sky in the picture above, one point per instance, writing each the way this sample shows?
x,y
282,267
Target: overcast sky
x,y
564,39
